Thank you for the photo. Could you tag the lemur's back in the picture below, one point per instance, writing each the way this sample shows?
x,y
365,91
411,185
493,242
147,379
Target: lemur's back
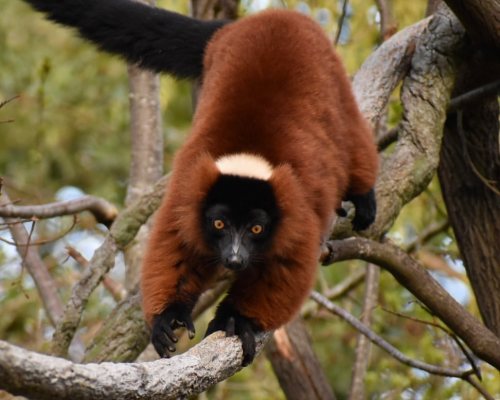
x,y
274,86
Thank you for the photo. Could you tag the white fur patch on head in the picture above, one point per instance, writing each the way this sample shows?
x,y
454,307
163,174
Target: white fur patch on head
x,y
246,165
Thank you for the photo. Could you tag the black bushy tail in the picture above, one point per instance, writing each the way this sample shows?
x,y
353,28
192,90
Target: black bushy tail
x,y
154,38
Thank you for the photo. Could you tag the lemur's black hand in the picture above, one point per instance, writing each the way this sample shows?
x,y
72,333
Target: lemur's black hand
x,y
164,324
366,210
229,320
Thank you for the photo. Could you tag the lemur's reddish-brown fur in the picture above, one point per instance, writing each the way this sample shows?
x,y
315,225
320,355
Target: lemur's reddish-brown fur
x,y
272,86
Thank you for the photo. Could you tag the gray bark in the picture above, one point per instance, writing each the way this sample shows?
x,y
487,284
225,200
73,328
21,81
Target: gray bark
x,y
30,374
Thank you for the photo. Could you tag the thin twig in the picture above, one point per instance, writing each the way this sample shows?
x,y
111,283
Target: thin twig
x,y
341,22
455,338
478,387
427,234
388,138
42,241
415,278
382,343
349,283
363,346
3,103
465,375
121,233
473,95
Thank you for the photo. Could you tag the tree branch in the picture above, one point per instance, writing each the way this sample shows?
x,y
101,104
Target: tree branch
x,y
418,281
340,23
388,25
383,344
30,374
465,375
474,95
428,233
121,233
46,287
146,165
349,283
116,290
123,336
363,347
102,210
383,70
425,94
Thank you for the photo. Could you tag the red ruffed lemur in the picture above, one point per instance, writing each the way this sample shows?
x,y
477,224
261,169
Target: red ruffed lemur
x,y
277,142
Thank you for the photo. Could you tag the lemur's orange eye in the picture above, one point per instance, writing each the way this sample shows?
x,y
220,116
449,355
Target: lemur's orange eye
x,y
219,224
257,229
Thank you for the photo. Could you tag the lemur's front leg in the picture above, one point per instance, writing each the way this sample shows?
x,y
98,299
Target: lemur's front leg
x,y
171,282
229,320
266,297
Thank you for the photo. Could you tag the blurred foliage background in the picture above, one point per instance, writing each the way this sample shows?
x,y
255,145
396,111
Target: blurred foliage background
x,y
70,129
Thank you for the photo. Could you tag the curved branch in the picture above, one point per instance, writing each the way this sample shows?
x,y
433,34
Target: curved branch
x,y
382,343
484,343
383,70
465,375
425,94
102,210
30,374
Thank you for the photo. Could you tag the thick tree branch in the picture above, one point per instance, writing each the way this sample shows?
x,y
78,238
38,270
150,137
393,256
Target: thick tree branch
x,y
146,165
425,94
125,335
102,210
484,343
103,259
30,374
383,70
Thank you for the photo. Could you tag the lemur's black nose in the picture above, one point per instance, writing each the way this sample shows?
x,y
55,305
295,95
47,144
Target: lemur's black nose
x,y
234,262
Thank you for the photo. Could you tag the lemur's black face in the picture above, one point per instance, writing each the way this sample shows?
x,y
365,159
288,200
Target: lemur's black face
x,y
239,219
239,240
